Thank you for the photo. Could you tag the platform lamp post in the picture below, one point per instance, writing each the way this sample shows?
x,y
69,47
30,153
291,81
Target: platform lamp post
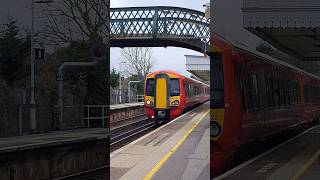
x,y
33,123
120,82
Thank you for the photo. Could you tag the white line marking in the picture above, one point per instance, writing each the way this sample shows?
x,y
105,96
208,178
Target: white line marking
x,y
163,126
232,171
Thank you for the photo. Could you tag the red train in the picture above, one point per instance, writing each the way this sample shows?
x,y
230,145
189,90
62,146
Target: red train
x,y
254,96
168,94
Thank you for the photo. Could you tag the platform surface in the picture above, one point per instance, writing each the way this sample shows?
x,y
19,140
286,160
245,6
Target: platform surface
x,y
297,158
18,143
182,147
126,105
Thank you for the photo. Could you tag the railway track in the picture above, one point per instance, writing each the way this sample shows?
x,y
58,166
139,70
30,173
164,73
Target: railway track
x,y
125,134
125,121
101,173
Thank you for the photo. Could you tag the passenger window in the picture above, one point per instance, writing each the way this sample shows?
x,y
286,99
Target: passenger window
x,y
191,92
186,89
282,93
287,93
276,92
255,93
247,92
268,90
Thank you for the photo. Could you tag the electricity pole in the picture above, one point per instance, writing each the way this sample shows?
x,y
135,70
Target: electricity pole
x,y
33,122
32,99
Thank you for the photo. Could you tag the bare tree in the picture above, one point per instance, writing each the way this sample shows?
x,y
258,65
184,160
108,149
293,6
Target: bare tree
x,y
72,20
83,27
139,59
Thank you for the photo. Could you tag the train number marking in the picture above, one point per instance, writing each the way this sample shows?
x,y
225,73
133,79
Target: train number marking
x,y
193,114
266,168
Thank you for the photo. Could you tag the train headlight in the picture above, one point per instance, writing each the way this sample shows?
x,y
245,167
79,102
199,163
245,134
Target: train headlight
x,y
175,103
149,103
215,129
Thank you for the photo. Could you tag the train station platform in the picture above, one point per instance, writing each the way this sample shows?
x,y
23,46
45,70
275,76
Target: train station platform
x,y
122,114
179,149
297,158
126,105
53,155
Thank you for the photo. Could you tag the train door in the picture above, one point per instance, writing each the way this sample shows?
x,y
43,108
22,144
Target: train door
x,y
218,155
162,96
216,96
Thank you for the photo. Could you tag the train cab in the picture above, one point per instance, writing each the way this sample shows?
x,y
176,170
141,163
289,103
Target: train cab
x,y
162,96
168,94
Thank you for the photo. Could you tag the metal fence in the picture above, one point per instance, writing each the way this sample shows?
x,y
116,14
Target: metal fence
x,y
126,97
115,96
139,98
95,116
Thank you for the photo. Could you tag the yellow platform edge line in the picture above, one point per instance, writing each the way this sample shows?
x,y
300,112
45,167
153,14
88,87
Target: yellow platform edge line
x,y
165,158
306,166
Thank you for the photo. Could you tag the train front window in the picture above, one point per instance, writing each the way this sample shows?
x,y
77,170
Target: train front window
x,y
150,87
174,87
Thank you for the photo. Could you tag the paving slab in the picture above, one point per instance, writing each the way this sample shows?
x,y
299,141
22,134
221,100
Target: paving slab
x,y
298,158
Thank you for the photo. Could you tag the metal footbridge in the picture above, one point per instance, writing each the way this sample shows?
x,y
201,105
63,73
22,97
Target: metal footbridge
x,y
159,26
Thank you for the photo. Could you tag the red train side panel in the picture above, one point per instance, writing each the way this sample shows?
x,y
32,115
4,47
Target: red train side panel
x,y
255,96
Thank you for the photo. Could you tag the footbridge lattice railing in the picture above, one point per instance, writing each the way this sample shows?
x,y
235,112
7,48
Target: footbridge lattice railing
x,y
159,27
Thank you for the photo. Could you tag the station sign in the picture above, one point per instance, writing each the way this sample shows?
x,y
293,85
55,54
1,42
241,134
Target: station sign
x,y
39,54
59,76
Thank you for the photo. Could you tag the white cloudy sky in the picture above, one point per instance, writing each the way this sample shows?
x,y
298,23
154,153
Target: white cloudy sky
x,y
167,58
